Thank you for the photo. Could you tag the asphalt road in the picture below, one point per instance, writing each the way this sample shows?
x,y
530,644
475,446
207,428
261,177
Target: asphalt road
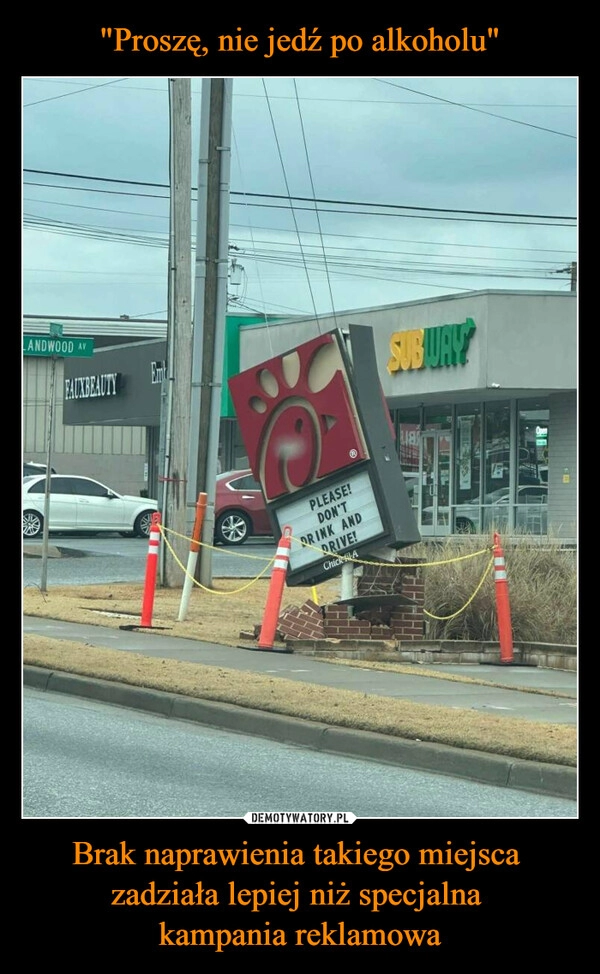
x,y
106,559
85,758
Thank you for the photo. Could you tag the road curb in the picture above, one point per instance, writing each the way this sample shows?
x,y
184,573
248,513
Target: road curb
x,y
494,769
36,551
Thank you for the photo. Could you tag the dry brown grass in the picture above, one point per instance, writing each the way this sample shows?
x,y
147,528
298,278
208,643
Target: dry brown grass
x,y
551,743
542,582
220,618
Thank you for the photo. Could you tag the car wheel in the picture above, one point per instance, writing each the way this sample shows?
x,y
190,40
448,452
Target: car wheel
x,y
33,524
464,526
143,523
234,527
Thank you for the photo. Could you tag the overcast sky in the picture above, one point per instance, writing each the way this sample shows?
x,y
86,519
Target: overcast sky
x,y
477,177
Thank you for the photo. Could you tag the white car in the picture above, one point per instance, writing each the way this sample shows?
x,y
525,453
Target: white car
x,y
531,511
82,504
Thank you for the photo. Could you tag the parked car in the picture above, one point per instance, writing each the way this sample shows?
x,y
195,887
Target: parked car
x,y
30,467
240,510
531,513
82,504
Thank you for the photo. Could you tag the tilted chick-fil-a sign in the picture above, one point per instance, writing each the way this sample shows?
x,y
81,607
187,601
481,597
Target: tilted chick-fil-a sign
x,y
314,427
297,416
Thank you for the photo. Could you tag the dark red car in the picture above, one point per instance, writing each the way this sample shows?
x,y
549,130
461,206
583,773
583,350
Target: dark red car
x,y
240,510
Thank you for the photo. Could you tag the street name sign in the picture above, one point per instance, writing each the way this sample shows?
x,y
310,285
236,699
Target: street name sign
x,y
64,347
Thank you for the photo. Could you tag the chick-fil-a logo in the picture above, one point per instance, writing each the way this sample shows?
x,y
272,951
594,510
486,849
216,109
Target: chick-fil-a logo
x,y
297,416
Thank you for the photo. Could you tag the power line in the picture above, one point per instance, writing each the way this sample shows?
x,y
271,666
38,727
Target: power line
x,y
420,215
424,209
440,243
69,94
346,101
293,209
360,263
470,108
312,186
358,257
328,235
300,199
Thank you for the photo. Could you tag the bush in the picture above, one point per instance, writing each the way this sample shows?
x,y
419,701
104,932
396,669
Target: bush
x,y
542,586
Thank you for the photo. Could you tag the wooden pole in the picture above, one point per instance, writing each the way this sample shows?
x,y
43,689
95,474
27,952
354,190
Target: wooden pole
x,y
179,330
210,303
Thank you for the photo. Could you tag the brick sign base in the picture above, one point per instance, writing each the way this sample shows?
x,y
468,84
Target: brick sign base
x,y
340,621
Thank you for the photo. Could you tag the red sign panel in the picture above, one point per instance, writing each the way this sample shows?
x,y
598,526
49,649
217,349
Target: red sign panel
x,y
297,416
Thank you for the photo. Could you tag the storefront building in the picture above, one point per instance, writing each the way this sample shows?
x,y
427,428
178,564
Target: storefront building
x,y
108,408
482,389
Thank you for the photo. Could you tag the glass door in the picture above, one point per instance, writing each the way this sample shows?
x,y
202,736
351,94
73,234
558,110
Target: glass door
x,y
434,494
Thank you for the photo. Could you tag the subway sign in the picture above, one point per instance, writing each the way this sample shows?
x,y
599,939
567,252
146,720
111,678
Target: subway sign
x,y
422,348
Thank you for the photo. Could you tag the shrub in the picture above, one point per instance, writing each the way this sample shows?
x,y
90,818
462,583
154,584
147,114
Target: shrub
x,y
542,585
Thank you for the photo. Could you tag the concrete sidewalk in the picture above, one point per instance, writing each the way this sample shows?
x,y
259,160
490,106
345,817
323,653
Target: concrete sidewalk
x,y
513,699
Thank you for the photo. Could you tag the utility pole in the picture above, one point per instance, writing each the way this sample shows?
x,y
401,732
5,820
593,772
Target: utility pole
x,y
176,403
572,270
210,306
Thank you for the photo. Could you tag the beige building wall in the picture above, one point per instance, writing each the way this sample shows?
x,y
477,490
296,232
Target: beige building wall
x,y
115,455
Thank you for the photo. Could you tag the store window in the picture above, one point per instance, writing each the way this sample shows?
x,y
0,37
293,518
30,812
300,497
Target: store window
x,y
497,447
437,418
467,468
496,485
436,469
531,502
533,432
408,427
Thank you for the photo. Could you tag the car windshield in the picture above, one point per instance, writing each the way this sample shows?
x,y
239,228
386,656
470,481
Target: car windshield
x,y
497,496
31,467
537,493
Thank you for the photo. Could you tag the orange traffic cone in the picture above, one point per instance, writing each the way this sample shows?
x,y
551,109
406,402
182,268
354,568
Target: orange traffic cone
x,y
502,603
278,574
151,569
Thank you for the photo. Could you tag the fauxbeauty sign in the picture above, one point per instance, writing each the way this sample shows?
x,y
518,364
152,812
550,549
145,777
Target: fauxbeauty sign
x,y
92,386
422,348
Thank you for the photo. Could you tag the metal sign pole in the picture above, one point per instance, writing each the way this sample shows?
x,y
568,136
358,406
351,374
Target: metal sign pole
x,y
45,533
53,345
